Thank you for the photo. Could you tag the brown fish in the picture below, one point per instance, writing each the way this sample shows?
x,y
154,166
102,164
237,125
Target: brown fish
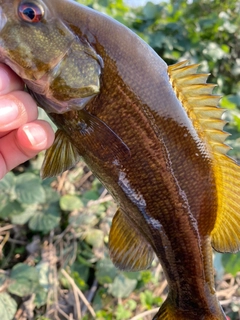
x,y
151,133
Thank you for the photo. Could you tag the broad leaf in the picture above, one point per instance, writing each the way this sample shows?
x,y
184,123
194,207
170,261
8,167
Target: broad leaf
x,y
8,306
23,280
94,237
26,213
122,286
231,263
11,209
70,203
47,219
29,190
106,271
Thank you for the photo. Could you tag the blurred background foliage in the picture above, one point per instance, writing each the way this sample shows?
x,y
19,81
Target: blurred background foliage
x,y
54,262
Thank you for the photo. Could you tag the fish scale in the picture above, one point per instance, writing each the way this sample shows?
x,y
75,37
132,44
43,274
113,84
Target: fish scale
x,y
151,133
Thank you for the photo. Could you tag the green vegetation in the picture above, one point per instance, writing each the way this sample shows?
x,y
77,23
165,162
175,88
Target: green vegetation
x,y
54,261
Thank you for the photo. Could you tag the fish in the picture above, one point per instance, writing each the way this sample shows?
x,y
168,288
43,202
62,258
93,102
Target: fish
x,y
151,133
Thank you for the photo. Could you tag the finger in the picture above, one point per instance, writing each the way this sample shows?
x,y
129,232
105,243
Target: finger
x,y
9,81
22,144
16,109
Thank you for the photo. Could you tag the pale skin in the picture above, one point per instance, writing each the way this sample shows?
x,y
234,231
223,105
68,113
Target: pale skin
x,y
22,136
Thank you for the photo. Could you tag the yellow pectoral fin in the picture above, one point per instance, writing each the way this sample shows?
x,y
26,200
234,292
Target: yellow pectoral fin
x,y
61,156
128,250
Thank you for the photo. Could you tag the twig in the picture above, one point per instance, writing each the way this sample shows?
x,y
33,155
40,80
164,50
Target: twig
x,y
90,295
96,202
227,293
62,312
75,293
144,314
81,295
24,243
61,180
5,228
84,178
5,239
103,194
163,286
225,302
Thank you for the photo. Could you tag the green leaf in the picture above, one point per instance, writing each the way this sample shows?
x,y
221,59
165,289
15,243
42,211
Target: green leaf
x,y
51,195
106,271
213,51
43,269
3,278
7,183
47,219
148,299
26,213
79,281
40,297
94,237
11,209
132,304
231,263
122,313
150,11
227,103
90,195
28,189
122,286
6,194
24,280
83,219
70,203
8,306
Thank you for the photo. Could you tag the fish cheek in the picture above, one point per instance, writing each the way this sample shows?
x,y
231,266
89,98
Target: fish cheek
x,y
78,74
34,47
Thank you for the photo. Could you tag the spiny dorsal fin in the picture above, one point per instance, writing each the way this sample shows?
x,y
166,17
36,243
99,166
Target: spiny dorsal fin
x,y
198,101
128,250
201,106
61,156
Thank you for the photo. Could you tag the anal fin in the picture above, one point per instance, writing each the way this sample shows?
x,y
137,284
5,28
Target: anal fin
x,y
128,249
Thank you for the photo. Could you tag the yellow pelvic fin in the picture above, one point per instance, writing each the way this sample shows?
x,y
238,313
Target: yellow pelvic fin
x,y
201,106
128,249
61,156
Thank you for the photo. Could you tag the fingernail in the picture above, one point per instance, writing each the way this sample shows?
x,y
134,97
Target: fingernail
x,y
8,111
35,133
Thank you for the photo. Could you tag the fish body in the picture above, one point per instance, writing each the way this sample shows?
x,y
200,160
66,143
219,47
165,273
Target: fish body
x,y
152,134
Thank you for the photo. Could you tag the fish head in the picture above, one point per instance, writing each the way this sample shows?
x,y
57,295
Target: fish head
x,y
47,54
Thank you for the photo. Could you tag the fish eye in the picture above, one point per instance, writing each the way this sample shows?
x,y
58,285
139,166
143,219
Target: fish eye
x,y
30,12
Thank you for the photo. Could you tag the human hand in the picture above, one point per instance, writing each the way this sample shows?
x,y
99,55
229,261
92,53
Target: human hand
x,y
22,136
